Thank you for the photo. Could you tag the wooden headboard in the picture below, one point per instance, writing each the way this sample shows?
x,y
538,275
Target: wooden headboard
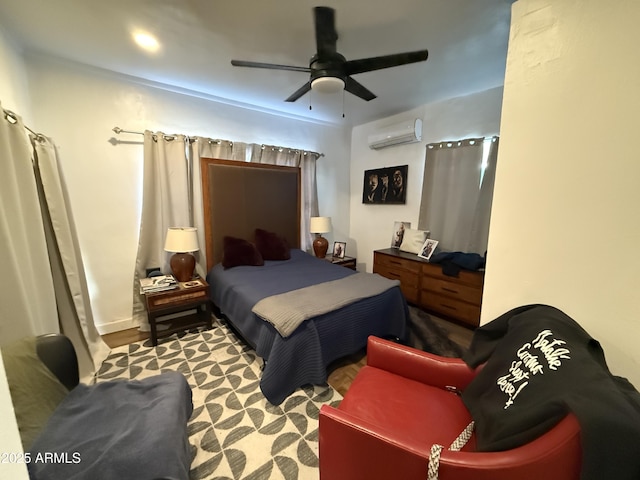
x,y
239,197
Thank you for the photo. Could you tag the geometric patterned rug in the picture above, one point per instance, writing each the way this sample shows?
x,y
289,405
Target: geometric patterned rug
x,y
234,432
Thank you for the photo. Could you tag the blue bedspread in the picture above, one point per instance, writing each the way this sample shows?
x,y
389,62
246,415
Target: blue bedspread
x,y
303,357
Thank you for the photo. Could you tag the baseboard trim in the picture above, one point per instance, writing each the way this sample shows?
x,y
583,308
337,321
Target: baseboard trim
x,y
116,326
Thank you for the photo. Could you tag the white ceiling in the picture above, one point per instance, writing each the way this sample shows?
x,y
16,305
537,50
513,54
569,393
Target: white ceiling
x,y
467,43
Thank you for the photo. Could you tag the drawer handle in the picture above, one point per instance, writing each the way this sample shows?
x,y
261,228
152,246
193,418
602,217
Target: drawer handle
x,y
448,306
394,274
395,262
451,290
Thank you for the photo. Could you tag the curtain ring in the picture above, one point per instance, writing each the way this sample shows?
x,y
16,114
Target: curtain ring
x,y
10,117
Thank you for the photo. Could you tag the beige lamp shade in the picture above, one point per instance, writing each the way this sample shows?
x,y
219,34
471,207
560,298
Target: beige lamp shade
x,y
181,239
320,224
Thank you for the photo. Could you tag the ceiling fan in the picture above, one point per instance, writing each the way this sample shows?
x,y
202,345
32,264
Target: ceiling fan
x,y
329,71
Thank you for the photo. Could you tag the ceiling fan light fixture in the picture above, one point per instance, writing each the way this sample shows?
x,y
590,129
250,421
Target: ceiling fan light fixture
x,y
327,84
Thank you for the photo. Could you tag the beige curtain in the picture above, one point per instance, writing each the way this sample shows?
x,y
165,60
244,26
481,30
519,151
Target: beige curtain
x,y
208,148
306,161
479,236
166,202
451,191
44,287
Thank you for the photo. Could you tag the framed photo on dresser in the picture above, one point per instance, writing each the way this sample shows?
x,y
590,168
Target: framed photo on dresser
x,y
428,248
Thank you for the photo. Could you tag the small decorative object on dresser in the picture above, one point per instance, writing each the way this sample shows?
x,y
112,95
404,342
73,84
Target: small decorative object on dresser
x,y
339,249
428,248
398,233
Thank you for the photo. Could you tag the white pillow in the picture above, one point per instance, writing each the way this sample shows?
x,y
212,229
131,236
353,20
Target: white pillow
x,y
413,240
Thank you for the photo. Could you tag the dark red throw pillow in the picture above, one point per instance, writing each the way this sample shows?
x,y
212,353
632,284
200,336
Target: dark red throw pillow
x,y
240,252
272,246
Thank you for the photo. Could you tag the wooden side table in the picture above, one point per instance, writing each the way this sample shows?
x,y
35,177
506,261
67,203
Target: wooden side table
x,y
188,296
349,262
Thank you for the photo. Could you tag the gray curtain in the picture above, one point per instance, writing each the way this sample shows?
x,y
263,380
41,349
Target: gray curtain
x,y
455,205
44,287
306,161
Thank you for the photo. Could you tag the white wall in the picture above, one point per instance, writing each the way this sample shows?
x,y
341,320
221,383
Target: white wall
x,y
14,96
14,93
475,115
565,227
78,106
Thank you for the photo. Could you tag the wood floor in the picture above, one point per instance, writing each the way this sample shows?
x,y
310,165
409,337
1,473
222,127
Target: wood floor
x,y
341,372
124,337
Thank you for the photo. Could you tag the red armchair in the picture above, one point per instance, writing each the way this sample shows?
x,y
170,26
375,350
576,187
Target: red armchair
x,y
404,401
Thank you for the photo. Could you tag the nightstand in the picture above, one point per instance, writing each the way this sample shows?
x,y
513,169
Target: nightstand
x,y
192,295
349,262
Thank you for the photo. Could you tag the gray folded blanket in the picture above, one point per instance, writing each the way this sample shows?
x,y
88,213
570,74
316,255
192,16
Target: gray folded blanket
x,y
287,311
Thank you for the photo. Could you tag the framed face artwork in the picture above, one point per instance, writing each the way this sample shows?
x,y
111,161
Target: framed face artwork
x,y
385,185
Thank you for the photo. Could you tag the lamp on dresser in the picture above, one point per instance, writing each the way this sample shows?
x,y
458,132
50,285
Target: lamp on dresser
x,y
320,225
182,241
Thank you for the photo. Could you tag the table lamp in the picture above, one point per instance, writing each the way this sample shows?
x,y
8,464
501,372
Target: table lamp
x,y
320,225
182,241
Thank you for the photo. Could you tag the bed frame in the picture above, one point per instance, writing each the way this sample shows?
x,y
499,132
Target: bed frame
x,y
239,197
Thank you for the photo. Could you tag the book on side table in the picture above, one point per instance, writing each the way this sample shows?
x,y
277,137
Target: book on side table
x,y
158,283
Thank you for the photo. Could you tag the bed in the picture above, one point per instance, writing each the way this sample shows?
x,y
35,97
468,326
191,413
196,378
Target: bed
x,y
240,198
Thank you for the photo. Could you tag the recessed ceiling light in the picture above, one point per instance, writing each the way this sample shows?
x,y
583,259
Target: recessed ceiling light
x,y
146,41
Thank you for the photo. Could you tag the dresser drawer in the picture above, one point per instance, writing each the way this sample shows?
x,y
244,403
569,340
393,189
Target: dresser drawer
x,y
408,280
388,261
457,291
451,307
474,279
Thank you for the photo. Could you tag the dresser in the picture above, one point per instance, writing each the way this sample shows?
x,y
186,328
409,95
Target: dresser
x,y
424,284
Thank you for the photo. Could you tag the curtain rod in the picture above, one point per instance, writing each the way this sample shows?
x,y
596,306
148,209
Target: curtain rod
x,y
457,143
13,118
119,130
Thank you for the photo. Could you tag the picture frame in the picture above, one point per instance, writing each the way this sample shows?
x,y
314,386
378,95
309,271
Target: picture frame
x,y
428,247
385,185
339,249
398,233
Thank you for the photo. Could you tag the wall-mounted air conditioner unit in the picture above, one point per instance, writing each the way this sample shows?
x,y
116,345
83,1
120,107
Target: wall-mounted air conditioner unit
x,y
409,131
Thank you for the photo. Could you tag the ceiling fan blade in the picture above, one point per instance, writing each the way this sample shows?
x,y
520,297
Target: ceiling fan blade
x,y
326,35
352,67
300,92
358,90
271,66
